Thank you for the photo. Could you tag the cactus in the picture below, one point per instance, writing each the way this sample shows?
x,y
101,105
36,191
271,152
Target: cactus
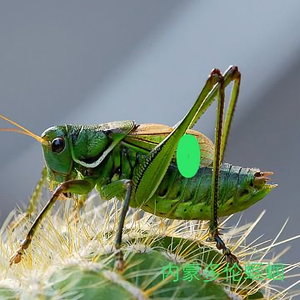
x,y
72,257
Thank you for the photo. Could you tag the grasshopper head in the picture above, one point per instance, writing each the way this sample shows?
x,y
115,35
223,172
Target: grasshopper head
x,y
57,153
55,146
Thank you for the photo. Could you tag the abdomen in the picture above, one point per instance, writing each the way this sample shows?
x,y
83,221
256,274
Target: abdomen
x,y
178,197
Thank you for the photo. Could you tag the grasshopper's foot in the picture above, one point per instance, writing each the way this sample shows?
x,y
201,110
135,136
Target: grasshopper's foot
x,y
17,256
120,262
230,258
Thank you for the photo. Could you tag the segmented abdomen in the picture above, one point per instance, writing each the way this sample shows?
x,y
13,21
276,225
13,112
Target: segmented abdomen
x,y
190,199
178,197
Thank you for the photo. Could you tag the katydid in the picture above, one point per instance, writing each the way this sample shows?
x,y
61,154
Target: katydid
x,y
137,165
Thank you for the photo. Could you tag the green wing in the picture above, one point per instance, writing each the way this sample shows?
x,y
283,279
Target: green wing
x,y
146,136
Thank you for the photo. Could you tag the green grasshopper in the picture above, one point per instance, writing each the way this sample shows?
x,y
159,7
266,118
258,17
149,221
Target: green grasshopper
x,y
137,165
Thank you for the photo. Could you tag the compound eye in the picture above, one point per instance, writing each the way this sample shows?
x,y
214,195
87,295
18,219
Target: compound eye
x,y
58,145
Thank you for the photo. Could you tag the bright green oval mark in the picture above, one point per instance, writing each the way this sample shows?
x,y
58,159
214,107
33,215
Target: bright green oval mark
x,y
188,156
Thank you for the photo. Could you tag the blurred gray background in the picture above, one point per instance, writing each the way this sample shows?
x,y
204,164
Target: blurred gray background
x,y
99,61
